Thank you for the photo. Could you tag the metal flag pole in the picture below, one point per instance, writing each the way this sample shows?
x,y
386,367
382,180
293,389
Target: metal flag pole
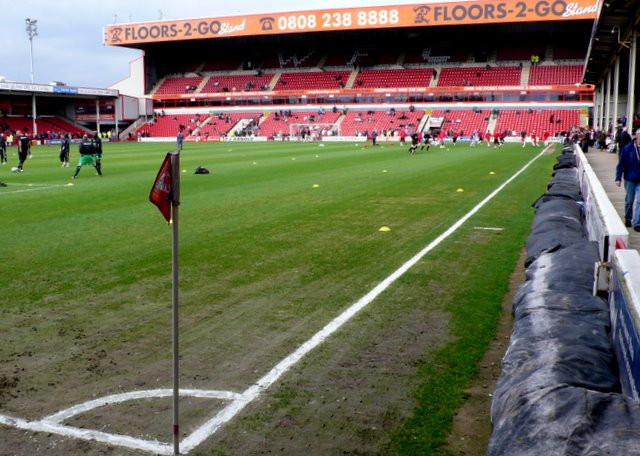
x,y
175,203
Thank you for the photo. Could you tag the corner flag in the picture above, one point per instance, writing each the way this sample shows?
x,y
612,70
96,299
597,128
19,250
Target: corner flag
x,y
165,193
162,190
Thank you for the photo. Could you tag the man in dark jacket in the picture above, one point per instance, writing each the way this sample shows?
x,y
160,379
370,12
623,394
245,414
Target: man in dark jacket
x,y
3,150
622,138
629,168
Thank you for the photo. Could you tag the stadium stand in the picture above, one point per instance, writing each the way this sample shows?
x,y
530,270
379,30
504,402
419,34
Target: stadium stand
x,y
555,74
480,76
312,80
537,120
233,83
221,124
179,84
45,124
276,123
463,121
56,124
358,122
165,126
410,77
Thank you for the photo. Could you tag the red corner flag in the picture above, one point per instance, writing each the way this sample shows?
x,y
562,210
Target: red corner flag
x,y
162,190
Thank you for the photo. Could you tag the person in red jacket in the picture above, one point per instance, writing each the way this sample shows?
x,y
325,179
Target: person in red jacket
x,y
545,137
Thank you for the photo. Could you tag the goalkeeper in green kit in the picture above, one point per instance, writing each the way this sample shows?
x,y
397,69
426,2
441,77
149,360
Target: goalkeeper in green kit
x,y
87,155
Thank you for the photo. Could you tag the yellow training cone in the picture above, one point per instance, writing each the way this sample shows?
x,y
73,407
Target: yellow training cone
x,y
254,163
293,158
69,184
460,190
491,172
384,170
317,156
184,170
385,228
316,186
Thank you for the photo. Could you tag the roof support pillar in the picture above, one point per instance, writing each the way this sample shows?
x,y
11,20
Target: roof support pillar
x,y
632,81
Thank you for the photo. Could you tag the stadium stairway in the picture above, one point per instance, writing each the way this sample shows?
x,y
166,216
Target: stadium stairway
x,y
436,78
196,132
604,165
524,76
351,79
202,84
274,79
491,126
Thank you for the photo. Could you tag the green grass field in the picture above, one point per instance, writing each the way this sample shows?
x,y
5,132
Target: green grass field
x,y
267,259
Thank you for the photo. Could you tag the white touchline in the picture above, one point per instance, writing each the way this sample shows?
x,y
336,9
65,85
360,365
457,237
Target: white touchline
x,y
251,393
32,189
237,401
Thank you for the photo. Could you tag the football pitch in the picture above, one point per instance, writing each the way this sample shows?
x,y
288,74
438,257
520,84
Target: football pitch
x,y
275,243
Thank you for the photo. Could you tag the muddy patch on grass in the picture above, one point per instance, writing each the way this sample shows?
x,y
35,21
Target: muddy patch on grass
x,y
471,425
346,397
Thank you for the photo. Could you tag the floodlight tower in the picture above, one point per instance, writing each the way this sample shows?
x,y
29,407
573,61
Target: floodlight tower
x,y
32,30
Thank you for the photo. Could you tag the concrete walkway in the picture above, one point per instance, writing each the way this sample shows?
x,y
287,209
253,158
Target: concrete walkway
x,y
604,165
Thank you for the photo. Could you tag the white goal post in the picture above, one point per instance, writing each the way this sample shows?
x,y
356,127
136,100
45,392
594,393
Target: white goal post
x,y
313,131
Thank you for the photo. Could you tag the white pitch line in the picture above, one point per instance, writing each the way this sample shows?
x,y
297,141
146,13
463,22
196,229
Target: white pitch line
x,y
30,185
32,189
231,410
52,423
152,446
145,394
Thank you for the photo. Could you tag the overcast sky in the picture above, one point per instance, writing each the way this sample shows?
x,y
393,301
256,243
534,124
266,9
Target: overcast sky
x,y
69,46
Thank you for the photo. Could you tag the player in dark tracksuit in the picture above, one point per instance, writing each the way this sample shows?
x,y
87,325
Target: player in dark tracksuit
x,y
426,140
414,143
24,149
97,147
64,151
3,149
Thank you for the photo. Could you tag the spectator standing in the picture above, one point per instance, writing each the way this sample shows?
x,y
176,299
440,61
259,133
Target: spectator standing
x,y
3,149
622,138
629,168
